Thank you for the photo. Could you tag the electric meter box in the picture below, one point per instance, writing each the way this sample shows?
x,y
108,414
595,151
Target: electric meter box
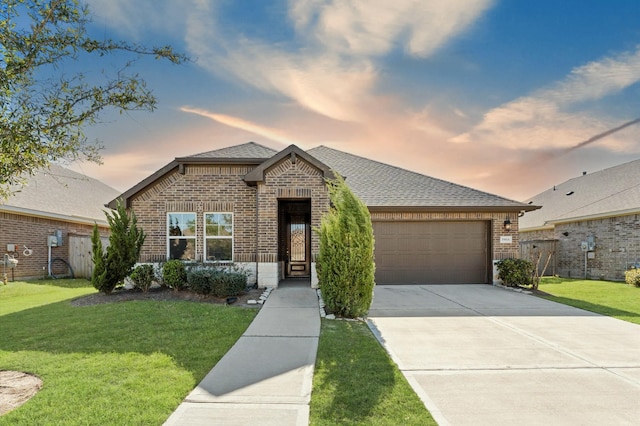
x,y
52,241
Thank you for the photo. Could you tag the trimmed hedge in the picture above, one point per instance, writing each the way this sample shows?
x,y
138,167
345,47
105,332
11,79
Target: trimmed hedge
x,y
215,282
515,272
199,280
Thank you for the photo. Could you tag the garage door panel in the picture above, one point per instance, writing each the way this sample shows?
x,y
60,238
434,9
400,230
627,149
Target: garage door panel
x,y
431,252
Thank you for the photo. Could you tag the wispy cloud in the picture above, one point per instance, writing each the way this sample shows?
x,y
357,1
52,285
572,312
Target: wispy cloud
x,y
375,27
239,123
559,116
331,69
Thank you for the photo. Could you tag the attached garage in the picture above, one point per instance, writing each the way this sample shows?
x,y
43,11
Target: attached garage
x,y
432,252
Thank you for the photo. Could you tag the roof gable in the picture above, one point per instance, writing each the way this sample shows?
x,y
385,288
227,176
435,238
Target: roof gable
x,y
292,151
606,193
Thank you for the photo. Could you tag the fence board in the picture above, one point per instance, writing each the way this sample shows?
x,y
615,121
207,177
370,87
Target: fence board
x,y
80,254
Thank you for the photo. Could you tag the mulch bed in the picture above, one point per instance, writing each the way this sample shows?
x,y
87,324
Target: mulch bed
x,y
164,293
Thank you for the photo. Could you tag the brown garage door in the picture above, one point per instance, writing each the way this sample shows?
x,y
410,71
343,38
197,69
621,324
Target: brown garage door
x,y
431,252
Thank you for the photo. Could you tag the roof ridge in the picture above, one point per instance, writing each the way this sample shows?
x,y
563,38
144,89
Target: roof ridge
x,y
232,146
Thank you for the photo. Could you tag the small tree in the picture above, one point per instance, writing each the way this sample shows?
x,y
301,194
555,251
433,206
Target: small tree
x,y
44,104
125,243
345,263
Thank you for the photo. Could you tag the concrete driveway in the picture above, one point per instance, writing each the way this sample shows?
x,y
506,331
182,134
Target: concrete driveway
x,y
483,355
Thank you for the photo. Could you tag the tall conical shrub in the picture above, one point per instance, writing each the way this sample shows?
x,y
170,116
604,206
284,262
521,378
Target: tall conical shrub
x,y
345,264
125,243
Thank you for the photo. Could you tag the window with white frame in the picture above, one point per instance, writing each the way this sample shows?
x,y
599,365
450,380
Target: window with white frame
x,y
218,237
181,236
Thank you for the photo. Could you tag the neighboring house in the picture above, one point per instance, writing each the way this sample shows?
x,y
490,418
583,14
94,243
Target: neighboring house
x,y
58,205
591,223
257,207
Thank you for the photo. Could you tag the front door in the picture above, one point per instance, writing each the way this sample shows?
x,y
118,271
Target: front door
x,y
297,245
295,236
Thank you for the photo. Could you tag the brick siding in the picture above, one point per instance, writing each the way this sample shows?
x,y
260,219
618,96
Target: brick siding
x,y
617,245
32,232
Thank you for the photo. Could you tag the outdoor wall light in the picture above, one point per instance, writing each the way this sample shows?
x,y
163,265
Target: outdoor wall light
x,y
507,225
565,233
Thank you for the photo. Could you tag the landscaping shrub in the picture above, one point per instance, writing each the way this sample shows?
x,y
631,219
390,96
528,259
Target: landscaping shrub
x,y
125,241
174,274
226,284
200,280
345,262
632,277
515,272
142,277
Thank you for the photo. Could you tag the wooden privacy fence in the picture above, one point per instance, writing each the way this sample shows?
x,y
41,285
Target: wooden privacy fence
x,y
80,253
531,250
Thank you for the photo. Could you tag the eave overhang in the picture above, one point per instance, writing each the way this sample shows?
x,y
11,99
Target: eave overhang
x,y
54,216
411,209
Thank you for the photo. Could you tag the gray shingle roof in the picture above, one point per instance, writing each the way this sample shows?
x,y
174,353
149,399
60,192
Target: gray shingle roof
x,y
380,185
609,192
247,150
58,191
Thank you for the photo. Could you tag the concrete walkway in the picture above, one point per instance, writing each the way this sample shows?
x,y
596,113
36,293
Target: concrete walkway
x,y
265,378
481,355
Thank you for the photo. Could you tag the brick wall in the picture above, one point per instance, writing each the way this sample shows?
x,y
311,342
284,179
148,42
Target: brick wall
x,y
617,245
291,181
31,232
201,189
221,188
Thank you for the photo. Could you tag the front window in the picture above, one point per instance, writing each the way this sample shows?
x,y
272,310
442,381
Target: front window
x,y
218,238
181,236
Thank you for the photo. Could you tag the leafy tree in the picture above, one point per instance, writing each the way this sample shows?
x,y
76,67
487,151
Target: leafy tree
x,y
345,263
125,243
43,107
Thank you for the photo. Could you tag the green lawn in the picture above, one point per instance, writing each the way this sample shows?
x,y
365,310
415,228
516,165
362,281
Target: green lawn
x,y
356,383
17,296
613,299
119,363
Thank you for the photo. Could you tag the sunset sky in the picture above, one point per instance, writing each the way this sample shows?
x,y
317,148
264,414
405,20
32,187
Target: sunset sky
x,y
495,95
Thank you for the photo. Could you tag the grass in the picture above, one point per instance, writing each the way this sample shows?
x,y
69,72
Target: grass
x,y
356,383
119,363
613,299
17,296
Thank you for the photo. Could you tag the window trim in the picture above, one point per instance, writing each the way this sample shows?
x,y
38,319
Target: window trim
x,y
189,237
206,237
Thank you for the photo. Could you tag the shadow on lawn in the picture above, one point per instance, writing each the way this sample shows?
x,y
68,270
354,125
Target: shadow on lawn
x,y
591,307
196,336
